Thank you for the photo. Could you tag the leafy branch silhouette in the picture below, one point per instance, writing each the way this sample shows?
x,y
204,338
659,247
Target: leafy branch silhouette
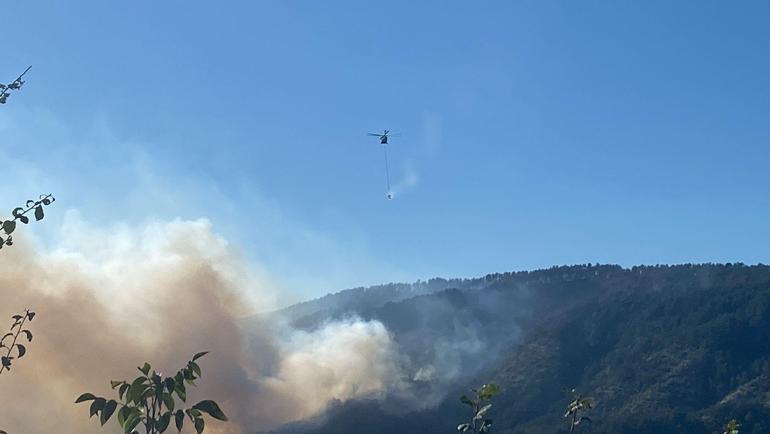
x,y
732,427
17,328
19,214
142,401
5,93
479,409
578,405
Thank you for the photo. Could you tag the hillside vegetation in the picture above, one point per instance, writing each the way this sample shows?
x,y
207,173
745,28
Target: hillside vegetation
x,y
662,349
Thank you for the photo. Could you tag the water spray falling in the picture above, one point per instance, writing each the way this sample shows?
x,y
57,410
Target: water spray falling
x,y
389,193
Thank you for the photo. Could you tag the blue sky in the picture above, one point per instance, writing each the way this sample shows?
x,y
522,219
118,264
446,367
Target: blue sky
x,y
533,133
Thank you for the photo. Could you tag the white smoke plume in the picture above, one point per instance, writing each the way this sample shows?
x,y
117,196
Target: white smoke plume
x,y
110,299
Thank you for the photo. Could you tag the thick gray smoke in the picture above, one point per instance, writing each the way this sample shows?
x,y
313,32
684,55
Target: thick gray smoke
x,y
108,300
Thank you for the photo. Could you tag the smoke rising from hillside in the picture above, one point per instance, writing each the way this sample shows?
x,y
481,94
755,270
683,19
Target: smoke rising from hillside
x,y
108,300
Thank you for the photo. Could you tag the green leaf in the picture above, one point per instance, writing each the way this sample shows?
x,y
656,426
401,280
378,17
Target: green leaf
x,y
482,412
115,383
169,383
147,394
9,226
137,388
85,397
24,219
96,406
197,369
132,420
109,409
122,389
156,380
145,369
179,419
211,408
180,391
163,421
467,401
199,425
199,355
39,213
463,427
22,350
488,391
188,375
122,414
168,400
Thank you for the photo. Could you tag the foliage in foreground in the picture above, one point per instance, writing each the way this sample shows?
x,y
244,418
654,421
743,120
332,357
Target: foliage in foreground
x,y
578,405
732,427
19,214
9,343
479,405
149,401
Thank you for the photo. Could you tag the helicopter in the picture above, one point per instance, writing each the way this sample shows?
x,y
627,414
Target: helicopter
x,y
383,137
18,82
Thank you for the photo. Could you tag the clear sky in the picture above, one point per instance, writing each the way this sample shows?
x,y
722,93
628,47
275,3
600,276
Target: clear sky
x,y
533,133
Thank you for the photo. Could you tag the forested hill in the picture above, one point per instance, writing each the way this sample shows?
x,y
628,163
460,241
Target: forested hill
x,y
662,349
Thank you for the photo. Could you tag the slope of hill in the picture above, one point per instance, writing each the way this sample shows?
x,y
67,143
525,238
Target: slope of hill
x,y
662,349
